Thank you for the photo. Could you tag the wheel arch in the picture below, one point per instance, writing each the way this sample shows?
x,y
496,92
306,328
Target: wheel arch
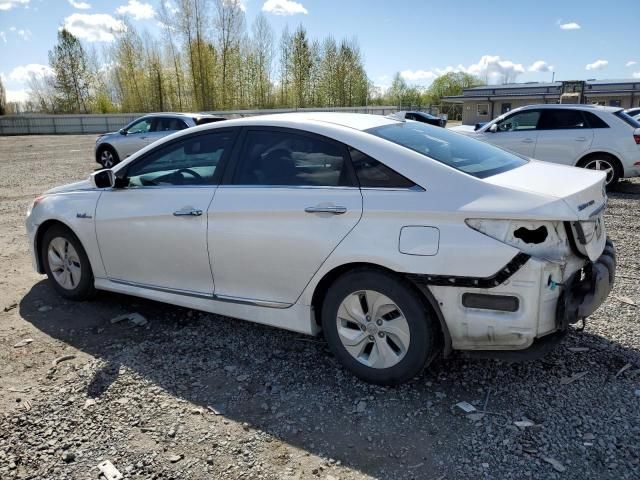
x,y
104,146
42,229
423,292
616,158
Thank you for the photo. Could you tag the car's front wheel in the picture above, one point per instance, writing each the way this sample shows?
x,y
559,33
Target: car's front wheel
x,y
378,327
108,157
66,263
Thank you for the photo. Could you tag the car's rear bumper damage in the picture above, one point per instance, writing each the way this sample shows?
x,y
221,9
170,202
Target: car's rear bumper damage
x,y
587,288
526,313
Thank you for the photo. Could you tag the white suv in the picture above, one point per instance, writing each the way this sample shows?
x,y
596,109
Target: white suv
x,y
589,136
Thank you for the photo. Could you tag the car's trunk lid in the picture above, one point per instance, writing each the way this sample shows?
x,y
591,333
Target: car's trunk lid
x,y
583,191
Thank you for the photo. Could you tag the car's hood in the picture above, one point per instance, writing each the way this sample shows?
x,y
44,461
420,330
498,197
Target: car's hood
x,y
583,191
71,187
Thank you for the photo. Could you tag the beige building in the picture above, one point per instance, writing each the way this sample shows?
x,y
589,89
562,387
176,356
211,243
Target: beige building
x,y
481,104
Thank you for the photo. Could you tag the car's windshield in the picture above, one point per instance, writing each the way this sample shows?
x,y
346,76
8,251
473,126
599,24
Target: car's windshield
x,y
458,151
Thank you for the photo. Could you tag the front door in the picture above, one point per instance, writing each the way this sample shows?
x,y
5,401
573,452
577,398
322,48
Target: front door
x,y
289,202
516,132
153,232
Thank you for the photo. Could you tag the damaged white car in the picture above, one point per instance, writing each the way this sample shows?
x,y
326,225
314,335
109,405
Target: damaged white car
x,y
397,239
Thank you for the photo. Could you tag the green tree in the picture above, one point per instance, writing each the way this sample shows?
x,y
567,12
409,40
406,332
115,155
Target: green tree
x,y
3,99
73,79
450,84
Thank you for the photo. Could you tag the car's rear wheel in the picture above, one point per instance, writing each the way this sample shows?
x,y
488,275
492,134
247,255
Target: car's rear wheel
x,y
66,264
108,157
604,163
378,327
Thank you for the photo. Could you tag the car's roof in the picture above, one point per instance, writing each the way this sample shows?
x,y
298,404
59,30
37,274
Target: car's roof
x,y
574,106
178,114
356,121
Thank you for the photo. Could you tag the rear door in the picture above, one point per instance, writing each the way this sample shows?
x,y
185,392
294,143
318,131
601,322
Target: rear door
x,y
288,201
564,136
517,132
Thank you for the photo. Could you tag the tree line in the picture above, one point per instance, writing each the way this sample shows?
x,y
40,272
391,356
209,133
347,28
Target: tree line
x,y
207,58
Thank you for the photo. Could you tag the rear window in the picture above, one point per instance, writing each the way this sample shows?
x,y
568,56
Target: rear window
x,y
622,115
455,150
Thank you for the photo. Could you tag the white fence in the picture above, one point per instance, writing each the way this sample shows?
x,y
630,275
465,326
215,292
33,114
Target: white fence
x,y
35,124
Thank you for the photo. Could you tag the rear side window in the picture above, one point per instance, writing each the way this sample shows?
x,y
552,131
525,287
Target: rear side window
x,y
594,120
373,174
169,124
557,119
627,119
283,158
453,149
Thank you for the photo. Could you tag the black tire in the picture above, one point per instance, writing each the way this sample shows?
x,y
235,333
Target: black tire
x,y
84,287
105,162
423,330
604,158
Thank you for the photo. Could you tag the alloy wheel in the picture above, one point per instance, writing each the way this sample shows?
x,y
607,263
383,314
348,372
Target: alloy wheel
x,y
603,166
64,263
373,329
106,159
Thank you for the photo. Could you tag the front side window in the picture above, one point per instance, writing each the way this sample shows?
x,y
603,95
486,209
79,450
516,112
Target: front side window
x,y
561,119
527,120
191,161
453,149
141,126
373,174
284,158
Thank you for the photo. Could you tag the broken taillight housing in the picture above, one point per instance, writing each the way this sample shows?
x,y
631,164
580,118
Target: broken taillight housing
x,y
543,239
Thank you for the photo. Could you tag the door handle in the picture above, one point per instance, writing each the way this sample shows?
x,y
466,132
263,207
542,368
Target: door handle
x,y
191,212
334,210
527,140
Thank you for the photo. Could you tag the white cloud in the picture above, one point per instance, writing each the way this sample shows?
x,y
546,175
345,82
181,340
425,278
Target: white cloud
x,y
138,10
491,68
3,37
80,5
597,65
97,27
630,63
540,66
25,34
9,4
417,75
17,96
171,7
636,74
23,73
570,26
284,7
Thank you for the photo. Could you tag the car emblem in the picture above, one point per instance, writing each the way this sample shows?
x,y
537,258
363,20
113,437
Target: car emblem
x,y
582,206
83,215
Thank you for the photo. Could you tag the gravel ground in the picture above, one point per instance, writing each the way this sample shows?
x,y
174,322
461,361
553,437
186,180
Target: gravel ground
x,y
198,396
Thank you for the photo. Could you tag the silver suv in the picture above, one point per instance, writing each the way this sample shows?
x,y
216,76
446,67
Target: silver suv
x,y
115,146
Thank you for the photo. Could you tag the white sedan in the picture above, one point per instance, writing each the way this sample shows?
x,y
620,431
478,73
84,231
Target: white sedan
x,y
397,239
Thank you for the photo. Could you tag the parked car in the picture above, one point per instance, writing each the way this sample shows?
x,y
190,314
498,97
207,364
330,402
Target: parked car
x,y
397,239
422,117
589,136
113,147
633,112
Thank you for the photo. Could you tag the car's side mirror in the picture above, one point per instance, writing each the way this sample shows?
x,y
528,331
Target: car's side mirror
x,y
493,128
122,131
103,179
